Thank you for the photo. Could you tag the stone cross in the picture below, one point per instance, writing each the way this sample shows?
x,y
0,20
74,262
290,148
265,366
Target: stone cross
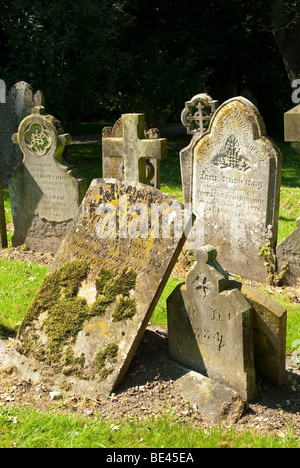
x,y
45,194
135,150
195,117
198,113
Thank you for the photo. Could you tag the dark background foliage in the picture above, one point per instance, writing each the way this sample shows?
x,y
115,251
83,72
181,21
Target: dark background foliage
x,y
94,60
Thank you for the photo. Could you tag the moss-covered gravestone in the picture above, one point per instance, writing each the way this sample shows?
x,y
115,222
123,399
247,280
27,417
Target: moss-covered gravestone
x,y
45,193
86,321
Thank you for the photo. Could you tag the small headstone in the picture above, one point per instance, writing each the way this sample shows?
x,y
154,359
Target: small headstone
x,y
45,193
16,106
3,232
2,92
292,127
132,152
195,117
210,326
269,334
86,321
236,188
288,251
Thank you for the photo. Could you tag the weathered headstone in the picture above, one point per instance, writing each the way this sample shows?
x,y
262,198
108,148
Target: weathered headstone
x,y
3,233
292,127
269,334
17,105
45,193
236,188
288,251
87,319
210,326
132,152
195,117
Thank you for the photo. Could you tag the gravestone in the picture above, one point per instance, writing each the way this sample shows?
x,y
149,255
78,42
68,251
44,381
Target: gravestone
x,y
14,108
288,251
210,326
86,321
269,334
236,188
3,233
292,127
132,152
195,117
45,193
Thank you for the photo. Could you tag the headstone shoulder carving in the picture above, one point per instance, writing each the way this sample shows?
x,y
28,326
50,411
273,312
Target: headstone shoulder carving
x,y
130,151
45,193
236,188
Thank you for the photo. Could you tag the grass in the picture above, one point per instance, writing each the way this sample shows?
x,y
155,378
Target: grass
x,y
19,282
22,428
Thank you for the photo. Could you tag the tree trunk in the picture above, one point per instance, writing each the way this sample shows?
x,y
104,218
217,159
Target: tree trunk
x,y
287,37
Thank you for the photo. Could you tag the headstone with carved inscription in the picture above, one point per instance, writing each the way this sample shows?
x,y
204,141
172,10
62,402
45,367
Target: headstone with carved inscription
x,y
132,152
14,107
45,193
86,321
236,188
210,326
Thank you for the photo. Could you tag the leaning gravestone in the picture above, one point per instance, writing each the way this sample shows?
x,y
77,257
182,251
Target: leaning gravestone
x,y
288,251
210,326
89,315
132,152
3,233
14,108
236,188
45,194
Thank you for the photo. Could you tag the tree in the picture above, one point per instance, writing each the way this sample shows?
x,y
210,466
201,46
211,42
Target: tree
x,y
285,23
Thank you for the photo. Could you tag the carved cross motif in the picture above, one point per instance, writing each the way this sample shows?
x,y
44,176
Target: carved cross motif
x,y
231,156
198,113
202,285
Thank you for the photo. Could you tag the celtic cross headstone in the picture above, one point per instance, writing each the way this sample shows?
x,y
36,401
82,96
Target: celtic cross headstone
x,y
195,117
132,152
45,193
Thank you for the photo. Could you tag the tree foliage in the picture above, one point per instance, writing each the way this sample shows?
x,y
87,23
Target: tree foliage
x,y
97,59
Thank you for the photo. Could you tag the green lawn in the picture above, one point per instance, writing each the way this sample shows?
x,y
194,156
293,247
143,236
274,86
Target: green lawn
x,y
22,428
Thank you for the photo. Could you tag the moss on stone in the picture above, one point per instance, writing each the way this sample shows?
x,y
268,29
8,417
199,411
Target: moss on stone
x,y
104,356
105,275
66,314
125,309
